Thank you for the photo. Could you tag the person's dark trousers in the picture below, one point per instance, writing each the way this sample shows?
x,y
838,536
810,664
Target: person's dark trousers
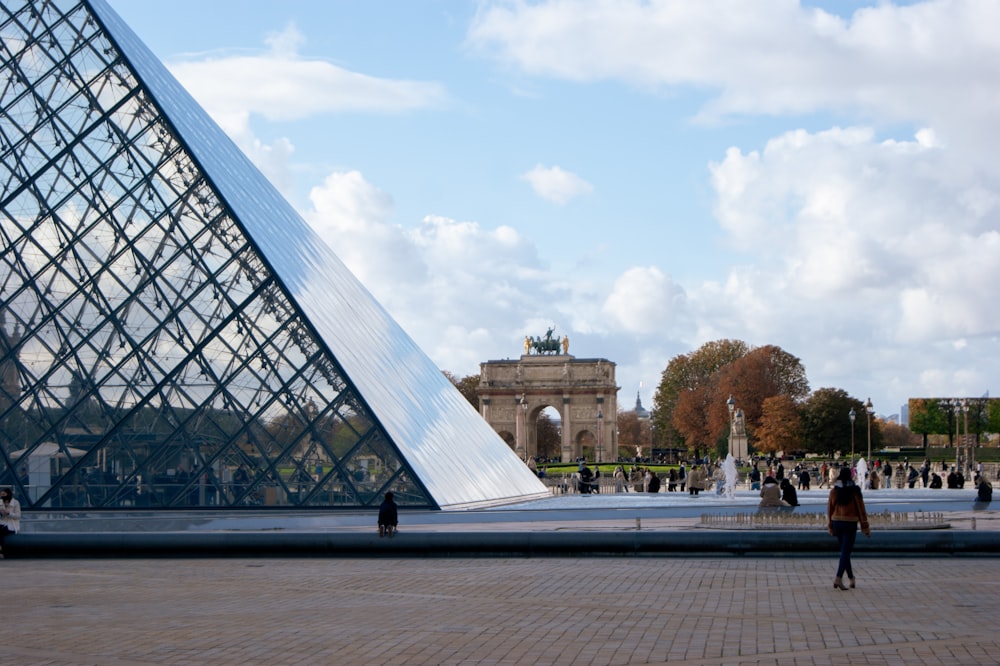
x,y
4,532
846,532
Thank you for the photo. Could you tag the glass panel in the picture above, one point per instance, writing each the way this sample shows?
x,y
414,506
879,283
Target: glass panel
x,y
169,325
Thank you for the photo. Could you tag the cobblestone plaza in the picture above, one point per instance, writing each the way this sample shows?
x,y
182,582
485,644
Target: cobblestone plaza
x,y
515,611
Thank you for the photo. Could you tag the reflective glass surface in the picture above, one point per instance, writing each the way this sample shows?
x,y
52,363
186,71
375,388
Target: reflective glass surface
x,y
172,333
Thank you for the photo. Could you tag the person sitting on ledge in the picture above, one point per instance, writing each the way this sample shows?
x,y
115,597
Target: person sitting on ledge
x,y
770,495
788,493
985,493
935,480
388,517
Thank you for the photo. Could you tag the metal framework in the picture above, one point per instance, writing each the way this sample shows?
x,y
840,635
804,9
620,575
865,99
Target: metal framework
x,y
151,354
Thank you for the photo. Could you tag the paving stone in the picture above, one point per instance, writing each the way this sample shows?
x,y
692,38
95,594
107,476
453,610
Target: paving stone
x,y
504,611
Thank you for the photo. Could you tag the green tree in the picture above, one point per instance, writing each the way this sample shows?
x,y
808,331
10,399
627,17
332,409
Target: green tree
x,y
827,426
930,416
992,423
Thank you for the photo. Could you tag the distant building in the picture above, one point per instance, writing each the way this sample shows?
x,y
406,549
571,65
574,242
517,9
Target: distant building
x,y
640,412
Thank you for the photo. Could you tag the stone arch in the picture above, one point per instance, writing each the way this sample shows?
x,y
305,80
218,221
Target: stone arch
x,y
586,444
583,391
509,438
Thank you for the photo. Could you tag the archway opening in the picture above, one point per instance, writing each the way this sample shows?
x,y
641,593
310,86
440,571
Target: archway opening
x,y
548,434
586,444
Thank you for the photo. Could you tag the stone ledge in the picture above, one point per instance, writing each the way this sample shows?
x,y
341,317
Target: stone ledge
x,y
648,543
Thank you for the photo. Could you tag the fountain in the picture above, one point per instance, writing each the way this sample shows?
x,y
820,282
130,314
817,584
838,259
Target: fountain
x,y
786,520
732,475
861,474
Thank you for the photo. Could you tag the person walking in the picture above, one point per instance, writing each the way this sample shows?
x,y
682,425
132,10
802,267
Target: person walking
x,y
845,509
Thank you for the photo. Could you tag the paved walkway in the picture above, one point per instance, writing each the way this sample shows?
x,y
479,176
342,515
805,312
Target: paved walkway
x,y
499,611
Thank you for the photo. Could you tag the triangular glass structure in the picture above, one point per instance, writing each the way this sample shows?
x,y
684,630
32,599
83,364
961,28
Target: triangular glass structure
x,y
172,333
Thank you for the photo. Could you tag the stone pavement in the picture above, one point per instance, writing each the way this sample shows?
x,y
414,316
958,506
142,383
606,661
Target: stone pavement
x,y
499,611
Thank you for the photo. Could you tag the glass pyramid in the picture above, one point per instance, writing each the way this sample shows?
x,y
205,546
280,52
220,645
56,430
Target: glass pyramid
x,y
172,334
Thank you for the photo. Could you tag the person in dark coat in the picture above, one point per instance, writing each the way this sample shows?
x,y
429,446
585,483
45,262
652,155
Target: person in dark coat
x,y
788,493
985,492
388,518
952,479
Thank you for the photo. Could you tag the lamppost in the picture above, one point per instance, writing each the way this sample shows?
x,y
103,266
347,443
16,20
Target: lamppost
x,y
852,415
956,405
965,441
524,427
868,414
600,434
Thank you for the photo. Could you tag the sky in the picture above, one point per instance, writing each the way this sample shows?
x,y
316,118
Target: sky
x,y
643,176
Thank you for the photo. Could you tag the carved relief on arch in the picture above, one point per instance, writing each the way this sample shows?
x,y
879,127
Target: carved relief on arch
x,y
584,413
503,413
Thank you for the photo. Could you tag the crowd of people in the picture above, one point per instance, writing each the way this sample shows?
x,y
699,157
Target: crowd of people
x,y
781,484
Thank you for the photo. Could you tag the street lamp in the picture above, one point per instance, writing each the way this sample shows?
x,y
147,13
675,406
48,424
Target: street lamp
x,y
852,415
868,414
965,439
600,434
524,426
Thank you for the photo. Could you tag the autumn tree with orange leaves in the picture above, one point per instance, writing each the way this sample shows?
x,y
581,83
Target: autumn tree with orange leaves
x,y
691,398
780,426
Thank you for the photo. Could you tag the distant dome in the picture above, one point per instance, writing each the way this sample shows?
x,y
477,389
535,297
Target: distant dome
x,y
640,411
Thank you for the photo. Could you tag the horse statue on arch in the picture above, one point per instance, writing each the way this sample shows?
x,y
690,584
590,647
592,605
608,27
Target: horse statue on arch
x,y
546,345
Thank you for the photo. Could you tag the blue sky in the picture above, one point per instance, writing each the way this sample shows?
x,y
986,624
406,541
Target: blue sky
x,y
645,176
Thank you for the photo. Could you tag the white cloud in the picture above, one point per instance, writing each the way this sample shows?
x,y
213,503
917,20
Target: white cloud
x,y
871,259
645,301
911,63
282,85
876,258
461,290
556,184
352,215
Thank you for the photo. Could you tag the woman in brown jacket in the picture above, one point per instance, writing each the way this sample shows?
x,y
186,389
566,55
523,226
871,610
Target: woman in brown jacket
x,y
844,510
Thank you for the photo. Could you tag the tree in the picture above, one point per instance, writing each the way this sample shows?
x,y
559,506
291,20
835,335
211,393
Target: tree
x,y
780,427
940,416
897,436
547,437
633,432
690,418
468,386
827,425
685,373
762,373
931,416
